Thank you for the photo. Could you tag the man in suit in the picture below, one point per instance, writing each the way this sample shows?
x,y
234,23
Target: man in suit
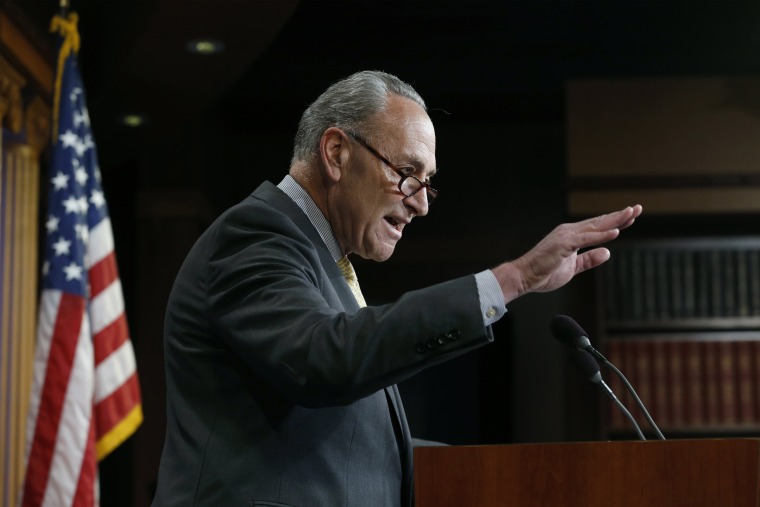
x,y
281,385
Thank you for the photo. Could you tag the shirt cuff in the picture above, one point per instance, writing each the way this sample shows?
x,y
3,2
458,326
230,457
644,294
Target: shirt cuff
x,y
492,306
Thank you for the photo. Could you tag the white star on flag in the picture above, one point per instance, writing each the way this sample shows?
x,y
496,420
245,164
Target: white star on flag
x,y
97,198
60,181
71,204
80,147
82,118
73,271
74,94
62,246
52,224
68,139
81,176
82,232
82,203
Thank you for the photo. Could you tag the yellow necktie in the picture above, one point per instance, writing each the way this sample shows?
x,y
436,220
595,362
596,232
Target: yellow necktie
x,y
350,275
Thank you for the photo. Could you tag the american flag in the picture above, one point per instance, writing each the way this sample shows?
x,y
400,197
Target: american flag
x,y
85,396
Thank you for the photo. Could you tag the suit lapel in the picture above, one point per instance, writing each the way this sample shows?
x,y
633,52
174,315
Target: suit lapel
x,y
279,200
341,287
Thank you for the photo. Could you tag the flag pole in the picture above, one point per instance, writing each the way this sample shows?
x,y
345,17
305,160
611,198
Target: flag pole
x,y
66,26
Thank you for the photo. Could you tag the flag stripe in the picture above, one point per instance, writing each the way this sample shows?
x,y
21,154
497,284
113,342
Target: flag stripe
x,y
106,307
74,423
103,273
84,496
101,241
108,411
49,303
110,338
60,360
114,371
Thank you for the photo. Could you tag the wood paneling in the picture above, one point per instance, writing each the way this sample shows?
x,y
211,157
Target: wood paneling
x,y
595,474
25,131
676,146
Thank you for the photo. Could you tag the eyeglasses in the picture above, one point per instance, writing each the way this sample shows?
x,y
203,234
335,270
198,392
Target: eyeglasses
x,y
408,184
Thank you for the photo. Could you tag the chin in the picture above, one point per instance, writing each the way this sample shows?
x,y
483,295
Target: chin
x,y
379,255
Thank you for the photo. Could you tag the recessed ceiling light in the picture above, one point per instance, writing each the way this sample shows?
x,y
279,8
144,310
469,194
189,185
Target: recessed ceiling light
x,y
205,46
133,120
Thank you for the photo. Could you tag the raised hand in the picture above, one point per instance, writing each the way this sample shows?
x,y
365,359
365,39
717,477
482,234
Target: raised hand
x,y
556,259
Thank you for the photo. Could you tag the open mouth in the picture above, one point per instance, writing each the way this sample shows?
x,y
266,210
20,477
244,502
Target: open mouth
x,y
393,223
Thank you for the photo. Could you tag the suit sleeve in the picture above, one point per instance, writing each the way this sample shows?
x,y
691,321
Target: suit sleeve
x,y
273,304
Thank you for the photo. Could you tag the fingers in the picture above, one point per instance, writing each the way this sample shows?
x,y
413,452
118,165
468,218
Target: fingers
x,y
635,212
607,227
597,230
618,219
591,259
614,221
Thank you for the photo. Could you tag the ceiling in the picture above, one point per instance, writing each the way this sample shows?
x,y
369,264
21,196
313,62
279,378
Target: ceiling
x,y
473,59
475,62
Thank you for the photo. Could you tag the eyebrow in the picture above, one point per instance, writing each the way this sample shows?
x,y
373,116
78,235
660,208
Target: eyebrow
x,y
420,165
414,162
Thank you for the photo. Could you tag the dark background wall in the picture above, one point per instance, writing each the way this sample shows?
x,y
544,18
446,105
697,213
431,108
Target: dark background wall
x,y
493,74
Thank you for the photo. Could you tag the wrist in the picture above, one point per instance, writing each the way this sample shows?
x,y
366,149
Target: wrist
x,y
510,280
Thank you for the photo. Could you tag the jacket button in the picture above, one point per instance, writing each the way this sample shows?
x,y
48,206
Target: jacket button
x,y
453,334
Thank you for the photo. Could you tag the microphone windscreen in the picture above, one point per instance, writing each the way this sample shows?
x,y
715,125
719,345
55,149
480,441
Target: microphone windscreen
x,y
566,330
585,363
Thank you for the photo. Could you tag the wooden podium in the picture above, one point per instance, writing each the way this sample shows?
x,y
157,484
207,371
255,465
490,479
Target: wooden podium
x,y
675,473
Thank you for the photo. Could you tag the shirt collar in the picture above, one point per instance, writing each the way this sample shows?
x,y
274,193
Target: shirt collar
x,y
304,201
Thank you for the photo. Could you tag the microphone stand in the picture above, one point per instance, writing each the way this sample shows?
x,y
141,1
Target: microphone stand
x,y
615,399
591,350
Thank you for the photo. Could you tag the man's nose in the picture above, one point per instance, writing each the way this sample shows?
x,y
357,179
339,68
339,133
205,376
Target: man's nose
x,y
418,202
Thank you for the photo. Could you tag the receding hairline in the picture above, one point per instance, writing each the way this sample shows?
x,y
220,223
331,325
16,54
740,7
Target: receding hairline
x,y
350,103
387,120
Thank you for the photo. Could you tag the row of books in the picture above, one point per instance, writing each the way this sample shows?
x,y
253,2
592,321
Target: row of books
x,y
652,282
687,384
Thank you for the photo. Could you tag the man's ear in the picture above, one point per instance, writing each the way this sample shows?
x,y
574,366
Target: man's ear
x,y
333,152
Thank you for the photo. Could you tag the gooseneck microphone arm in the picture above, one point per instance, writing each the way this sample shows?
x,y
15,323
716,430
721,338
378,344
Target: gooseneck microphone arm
x,y
630,388
569,332
590,369
625,410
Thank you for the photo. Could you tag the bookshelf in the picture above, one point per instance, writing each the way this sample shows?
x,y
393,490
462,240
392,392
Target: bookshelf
x,y
681,319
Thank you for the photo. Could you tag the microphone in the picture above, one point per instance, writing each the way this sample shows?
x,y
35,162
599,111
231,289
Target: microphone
x,y
587,365
589,368
569,332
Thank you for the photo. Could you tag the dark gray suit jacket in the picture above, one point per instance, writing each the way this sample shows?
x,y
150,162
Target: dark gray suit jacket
x,y
279,391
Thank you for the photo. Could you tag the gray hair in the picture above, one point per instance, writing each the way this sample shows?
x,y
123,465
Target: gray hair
x,y
348,104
